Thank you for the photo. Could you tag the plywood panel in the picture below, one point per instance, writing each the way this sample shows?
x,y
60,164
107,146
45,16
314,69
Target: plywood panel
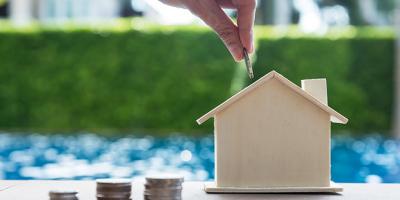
x,y
272,137
210,187
316,88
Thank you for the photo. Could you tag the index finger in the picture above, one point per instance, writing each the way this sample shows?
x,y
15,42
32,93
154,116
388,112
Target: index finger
x,y
245,23
213,15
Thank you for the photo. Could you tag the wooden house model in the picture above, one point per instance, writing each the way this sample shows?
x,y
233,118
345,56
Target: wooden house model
x,y
274,136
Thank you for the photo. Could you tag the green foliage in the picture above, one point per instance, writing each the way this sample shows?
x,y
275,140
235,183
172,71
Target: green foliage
x,y
163,78
75,80
358,65
373,72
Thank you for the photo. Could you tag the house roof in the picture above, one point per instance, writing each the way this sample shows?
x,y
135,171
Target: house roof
x,y
335,116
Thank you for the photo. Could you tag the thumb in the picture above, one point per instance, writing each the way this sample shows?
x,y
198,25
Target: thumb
x,y
213,15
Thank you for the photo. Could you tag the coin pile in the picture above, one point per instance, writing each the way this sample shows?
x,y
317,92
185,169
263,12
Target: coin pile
x,y
63,195
113,189
163,188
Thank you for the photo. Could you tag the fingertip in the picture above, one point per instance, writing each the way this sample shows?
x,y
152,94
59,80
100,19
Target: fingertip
x,y
237,54
251,49
251,43
236,51
246,37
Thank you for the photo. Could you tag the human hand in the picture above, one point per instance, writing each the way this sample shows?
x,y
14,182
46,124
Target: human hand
x,y
235,37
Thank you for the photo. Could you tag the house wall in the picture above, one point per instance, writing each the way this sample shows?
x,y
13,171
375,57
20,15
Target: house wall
x,y
272,137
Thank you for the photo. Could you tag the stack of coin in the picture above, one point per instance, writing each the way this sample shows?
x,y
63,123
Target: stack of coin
x,y
63,195
163,188
113,189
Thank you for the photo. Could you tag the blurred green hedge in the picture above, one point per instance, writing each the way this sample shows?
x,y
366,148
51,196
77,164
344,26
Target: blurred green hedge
x,y
358,65
57,80
163,78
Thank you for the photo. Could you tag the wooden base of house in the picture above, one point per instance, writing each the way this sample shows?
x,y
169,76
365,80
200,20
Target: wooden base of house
x,y
210,187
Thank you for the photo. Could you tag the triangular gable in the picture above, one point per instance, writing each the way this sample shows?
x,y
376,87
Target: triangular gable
x,y
335,116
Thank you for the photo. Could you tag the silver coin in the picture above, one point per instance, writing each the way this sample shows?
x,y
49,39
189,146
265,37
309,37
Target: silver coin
x,y
162,192
107,198
127,188
156,191
164,187
167,178
163,196
64,198
63,195
63,192
114,195
247,61
111,181
165,182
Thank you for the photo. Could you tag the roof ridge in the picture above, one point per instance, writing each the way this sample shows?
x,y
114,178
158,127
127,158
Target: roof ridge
x,y
335,116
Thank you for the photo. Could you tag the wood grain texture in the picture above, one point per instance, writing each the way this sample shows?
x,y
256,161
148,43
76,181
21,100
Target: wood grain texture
x,y
210,187
335,116
316,88
38,190
272,137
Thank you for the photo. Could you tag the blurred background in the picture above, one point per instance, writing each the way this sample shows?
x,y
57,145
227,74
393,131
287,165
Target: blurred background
x,y
111,88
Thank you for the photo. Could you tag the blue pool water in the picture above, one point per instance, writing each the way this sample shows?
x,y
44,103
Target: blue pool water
x,y
88,156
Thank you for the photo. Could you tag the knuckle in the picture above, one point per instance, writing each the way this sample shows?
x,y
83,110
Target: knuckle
x,y
225,31
227,34
245,29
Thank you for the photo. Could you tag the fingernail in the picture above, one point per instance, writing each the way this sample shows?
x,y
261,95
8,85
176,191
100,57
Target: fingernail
x,y
251,43
251,48
237,54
